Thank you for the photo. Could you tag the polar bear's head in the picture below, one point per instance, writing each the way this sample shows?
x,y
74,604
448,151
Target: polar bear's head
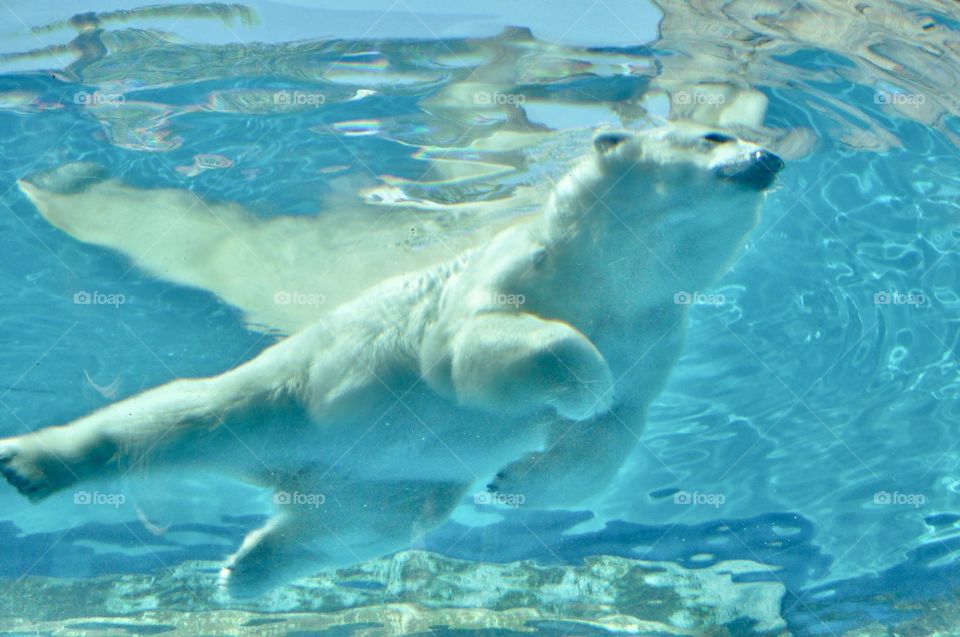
x,y
683,170
673,202
700,159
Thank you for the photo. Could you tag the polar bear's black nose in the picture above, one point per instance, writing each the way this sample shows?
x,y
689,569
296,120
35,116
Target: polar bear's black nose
x,y
757,171
768,160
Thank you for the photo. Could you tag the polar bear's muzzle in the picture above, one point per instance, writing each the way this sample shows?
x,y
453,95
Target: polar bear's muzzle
x,y
756,171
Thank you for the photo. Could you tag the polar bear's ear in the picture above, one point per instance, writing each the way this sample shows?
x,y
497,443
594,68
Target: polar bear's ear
x,y
608,140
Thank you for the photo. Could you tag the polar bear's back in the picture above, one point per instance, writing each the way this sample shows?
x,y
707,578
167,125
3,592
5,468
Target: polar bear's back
x,y
285,272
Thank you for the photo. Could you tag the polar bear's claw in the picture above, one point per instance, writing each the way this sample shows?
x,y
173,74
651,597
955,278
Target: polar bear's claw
x,y
494,486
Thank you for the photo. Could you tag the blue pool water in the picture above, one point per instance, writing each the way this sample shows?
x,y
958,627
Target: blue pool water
x,y
811,424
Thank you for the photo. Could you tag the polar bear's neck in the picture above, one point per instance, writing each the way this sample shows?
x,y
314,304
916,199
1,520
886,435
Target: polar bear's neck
x,y
585,215
575,197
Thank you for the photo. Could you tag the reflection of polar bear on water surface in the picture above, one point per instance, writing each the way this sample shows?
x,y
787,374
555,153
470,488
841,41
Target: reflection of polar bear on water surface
x,y
377,418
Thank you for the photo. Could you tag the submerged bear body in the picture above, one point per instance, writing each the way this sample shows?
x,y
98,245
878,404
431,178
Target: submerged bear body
x,y
523,364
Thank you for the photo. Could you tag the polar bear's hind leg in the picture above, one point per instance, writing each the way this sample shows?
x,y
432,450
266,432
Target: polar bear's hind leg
x,y
66,179
329,523
175,423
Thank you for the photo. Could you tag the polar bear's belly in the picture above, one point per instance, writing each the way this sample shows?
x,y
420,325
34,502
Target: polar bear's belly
x,y
462,447
424,437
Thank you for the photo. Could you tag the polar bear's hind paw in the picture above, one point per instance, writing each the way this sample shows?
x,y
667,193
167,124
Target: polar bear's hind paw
x,y
23,474
269,557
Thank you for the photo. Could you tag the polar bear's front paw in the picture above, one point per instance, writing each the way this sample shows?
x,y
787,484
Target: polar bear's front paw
x,y
519,362
522,482
542,480
584,385
505,481
579,459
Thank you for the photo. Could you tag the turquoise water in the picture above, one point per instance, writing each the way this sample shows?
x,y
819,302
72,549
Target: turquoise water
x,y
814,409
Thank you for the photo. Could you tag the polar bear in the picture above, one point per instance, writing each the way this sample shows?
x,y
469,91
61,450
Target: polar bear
x,y
523,365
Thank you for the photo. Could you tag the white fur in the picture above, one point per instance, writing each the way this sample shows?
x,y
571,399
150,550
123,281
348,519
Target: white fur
x,y
428,384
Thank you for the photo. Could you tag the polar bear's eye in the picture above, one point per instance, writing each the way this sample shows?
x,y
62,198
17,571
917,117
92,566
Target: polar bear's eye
x,y
605,141
718,138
